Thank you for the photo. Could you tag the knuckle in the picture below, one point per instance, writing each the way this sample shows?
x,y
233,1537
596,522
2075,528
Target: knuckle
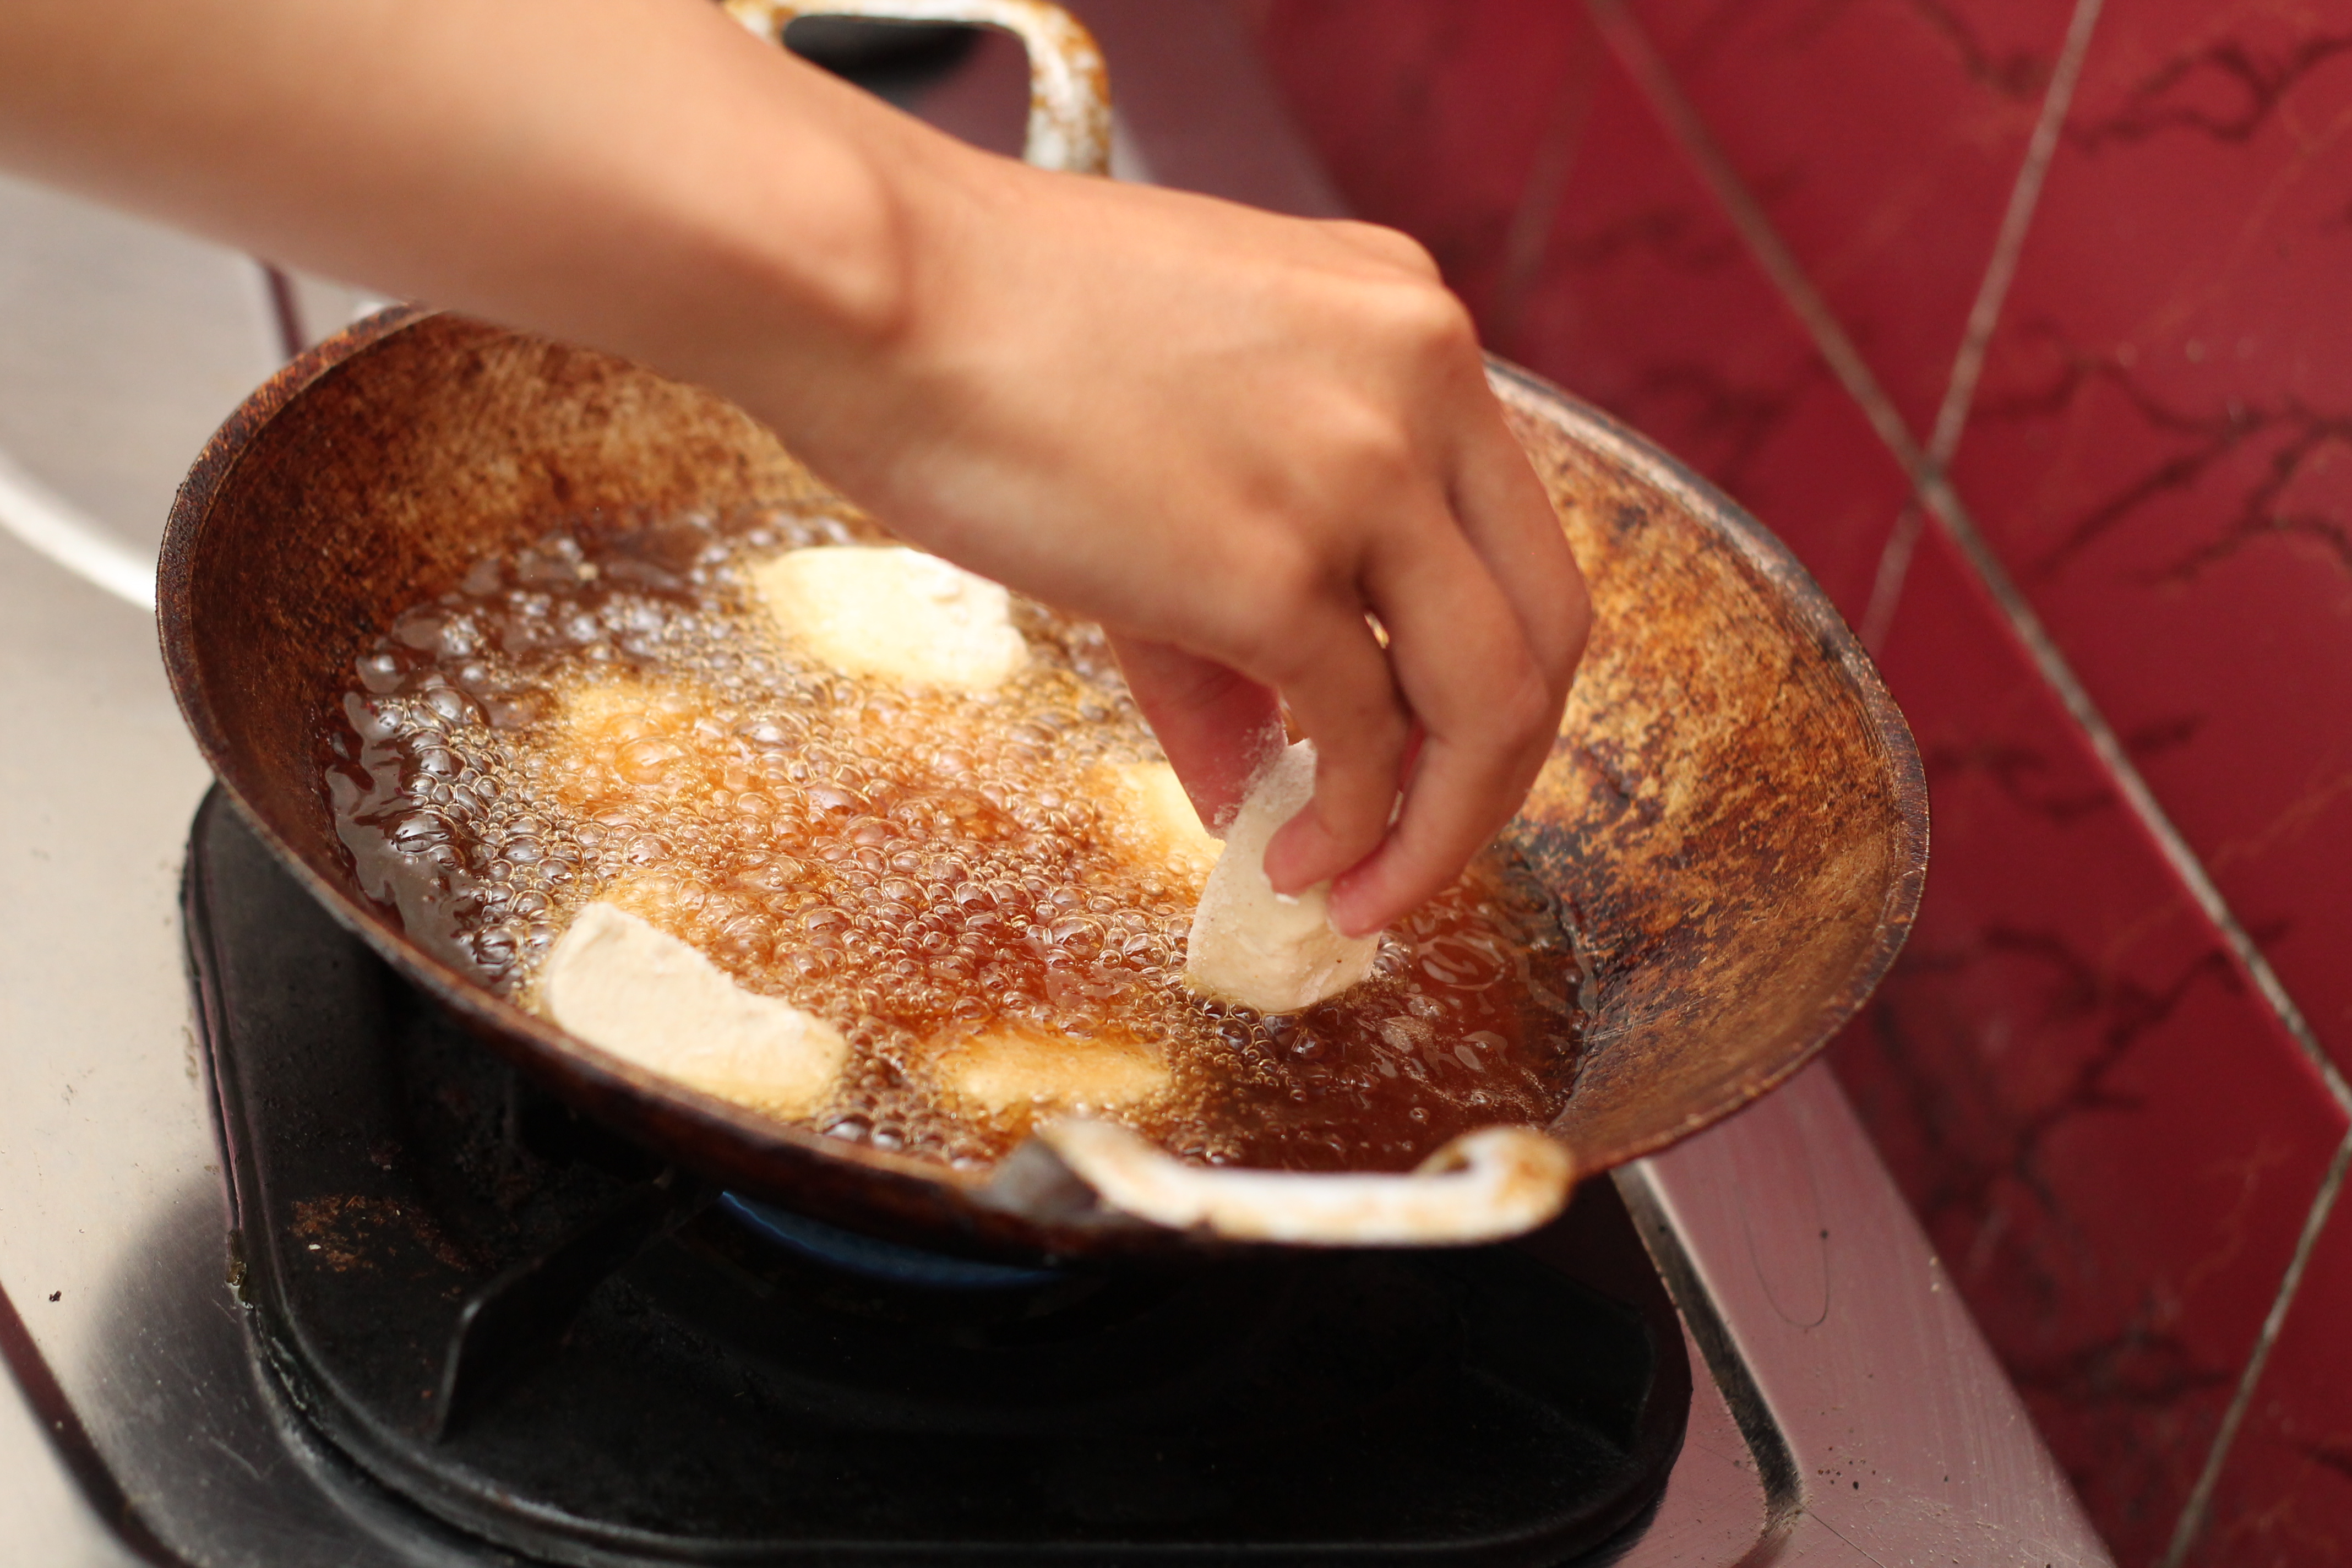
x,y
1557,645
1525,704
1430,321
1296,578
1392,246
1380,459
1361,455
1571,633
1566,657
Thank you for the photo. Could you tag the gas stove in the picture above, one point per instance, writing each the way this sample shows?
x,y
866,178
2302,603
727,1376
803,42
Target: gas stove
x,y
521,1327
289,1273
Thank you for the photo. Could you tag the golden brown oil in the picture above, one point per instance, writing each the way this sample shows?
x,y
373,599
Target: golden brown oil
x,y
603,716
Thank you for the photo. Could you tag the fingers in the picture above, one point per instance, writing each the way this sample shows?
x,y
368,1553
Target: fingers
x,y
1216,724
1488,616
1508,519
1351,458
1457,803
1488,710
1485,614
1338,682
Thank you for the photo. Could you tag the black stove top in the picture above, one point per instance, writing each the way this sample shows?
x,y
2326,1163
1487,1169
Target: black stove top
x,y
538,1341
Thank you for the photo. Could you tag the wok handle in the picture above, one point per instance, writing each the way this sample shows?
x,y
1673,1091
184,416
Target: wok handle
x,y
1482,1186
1069,98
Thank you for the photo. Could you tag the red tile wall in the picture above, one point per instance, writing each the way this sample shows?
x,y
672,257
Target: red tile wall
x,y
2115,1141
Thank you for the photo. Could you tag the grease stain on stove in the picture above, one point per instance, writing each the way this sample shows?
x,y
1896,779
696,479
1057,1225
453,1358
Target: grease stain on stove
x,y
341,1228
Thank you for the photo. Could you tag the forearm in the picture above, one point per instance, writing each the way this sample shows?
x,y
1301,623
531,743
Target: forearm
x,y
642,174
1228,436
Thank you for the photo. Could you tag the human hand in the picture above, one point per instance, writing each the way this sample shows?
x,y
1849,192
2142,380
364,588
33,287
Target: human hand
x,y
1231,436
1228,435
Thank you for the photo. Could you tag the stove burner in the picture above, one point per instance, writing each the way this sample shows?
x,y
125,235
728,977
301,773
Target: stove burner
x,y
875,1259
752,1387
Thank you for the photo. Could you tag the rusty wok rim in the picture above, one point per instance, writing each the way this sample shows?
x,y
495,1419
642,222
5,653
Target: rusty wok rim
x,y
1764,552
899,1194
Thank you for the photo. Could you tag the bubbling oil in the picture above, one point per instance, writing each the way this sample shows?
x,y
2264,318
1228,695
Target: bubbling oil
x,y
604,715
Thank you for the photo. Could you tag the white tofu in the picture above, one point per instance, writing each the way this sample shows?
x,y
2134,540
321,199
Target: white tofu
x,y
1008,1070
894,612
1151,819
642,994
1252,945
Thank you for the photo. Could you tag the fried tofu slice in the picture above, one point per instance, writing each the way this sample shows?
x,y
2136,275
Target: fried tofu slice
x,y
618,982
610,713
1009,1071
895,612
1151,819
1253,946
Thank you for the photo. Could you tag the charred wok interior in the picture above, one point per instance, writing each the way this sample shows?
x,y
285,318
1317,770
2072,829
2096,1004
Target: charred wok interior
x,y
1734,810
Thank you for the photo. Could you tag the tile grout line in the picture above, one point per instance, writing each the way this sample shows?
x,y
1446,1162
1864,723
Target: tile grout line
x,y
2009,246
1648,69
1984,314
2191,870
1527,238
1933,489
1886,583
1935,492
2196,1510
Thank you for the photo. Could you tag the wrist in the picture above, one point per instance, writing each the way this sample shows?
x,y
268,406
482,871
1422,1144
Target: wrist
x,y
796,255
855,258
874,322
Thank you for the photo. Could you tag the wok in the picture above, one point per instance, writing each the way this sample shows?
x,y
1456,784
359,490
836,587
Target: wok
x,y
1734,810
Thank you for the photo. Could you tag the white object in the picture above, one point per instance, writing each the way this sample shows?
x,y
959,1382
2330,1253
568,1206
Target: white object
x,y
1481,1186
641,994
1152,818
1252,945
1010,1068
896,613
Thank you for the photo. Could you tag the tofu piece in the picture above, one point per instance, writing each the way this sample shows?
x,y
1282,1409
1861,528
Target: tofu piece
x,y
609,712
1151,820
1252,945
641,994
1008,1070
895,612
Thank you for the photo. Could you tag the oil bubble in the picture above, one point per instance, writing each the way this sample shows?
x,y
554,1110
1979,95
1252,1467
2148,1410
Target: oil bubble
x,y
601,715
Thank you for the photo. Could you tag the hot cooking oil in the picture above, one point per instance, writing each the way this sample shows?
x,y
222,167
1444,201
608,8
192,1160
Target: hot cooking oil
x,y
605,716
